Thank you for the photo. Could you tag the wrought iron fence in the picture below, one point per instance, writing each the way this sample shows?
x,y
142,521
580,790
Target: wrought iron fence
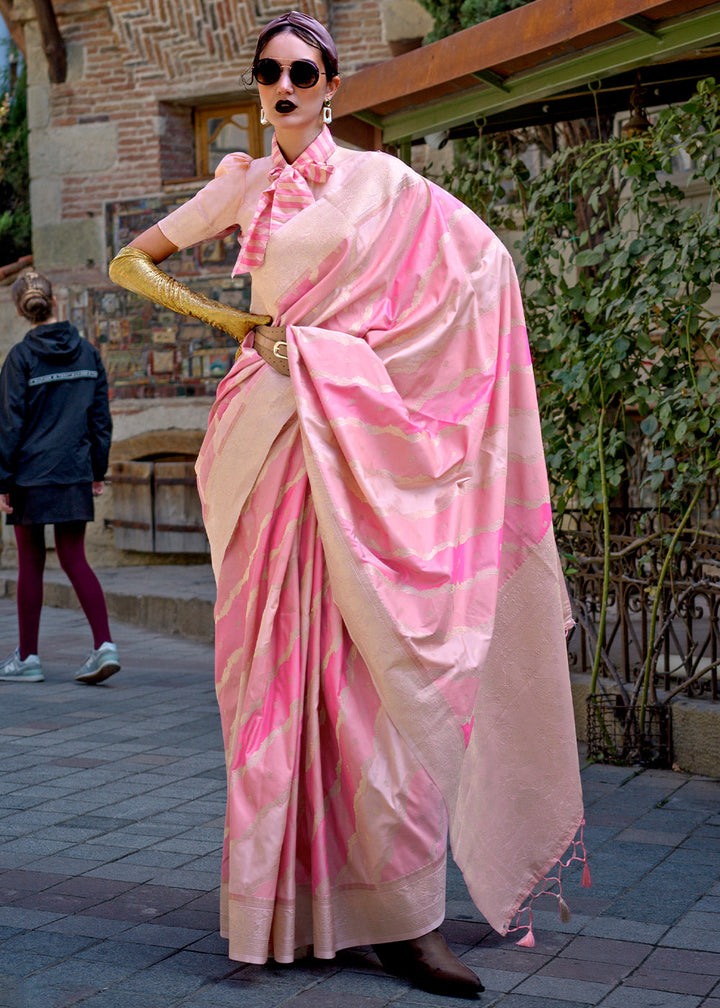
x,y
685,652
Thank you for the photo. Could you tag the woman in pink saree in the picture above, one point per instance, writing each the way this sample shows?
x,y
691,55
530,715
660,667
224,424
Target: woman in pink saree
x,y
391,614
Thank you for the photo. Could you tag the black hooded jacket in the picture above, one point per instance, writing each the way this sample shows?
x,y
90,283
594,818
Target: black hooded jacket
x,y
55,425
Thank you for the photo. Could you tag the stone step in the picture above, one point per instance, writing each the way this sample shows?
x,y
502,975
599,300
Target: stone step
x,y
169,599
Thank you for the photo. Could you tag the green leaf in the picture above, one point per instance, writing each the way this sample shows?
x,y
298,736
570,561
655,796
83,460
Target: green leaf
x,y
589,258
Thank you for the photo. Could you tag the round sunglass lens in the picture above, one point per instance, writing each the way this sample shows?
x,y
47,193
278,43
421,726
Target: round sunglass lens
x,y
304,74
267,71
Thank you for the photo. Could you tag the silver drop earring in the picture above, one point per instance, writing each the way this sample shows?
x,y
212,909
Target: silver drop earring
x,y
263,119
327,112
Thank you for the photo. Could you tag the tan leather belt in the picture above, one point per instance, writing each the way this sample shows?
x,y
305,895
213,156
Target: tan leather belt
x,y
269,341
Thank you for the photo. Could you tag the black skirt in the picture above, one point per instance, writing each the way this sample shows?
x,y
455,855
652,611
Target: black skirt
x,y
51,505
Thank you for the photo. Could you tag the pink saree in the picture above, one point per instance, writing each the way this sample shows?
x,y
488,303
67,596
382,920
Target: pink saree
x,y
391,613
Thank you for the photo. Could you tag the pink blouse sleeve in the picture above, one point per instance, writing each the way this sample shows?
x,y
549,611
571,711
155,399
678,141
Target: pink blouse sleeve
x,y
214,210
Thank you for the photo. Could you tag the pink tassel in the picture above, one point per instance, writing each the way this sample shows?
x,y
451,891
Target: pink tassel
x,y
528,940
564,910
586,879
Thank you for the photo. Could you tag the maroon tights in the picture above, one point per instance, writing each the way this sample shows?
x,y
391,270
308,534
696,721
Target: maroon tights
x,y
70,546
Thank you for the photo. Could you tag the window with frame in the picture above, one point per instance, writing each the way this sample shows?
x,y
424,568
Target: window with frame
x,y
222,129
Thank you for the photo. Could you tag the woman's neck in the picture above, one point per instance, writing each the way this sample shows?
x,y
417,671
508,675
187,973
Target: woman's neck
x,y
292,145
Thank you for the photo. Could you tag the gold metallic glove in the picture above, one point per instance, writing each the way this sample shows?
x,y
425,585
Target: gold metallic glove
x,y
134,269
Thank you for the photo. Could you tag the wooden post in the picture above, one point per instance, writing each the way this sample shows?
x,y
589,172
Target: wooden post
x,y
14,27
53,44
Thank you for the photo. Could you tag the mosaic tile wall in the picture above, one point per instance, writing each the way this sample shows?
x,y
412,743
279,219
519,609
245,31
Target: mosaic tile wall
x,y
150,351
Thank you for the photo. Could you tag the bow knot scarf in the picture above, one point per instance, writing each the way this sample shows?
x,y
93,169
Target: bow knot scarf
x,y
287,194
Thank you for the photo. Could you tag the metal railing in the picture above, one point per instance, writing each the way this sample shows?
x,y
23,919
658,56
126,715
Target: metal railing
x,y
685,652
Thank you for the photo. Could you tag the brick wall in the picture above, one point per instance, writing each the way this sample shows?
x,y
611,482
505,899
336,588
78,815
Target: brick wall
x,y
138,66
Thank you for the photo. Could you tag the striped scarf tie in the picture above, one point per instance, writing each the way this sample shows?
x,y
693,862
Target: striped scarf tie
x,y
287,194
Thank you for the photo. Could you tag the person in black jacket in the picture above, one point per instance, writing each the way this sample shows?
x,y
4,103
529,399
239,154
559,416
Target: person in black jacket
x,y
55,432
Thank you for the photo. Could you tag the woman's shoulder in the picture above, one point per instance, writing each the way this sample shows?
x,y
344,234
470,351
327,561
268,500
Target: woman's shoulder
x,y
382,172
88,347
20,351
375,161
19,359
89,355
239,162
233,162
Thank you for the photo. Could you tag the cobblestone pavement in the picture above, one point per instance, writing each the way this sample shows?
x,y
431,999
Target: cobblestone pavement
x,y
111,814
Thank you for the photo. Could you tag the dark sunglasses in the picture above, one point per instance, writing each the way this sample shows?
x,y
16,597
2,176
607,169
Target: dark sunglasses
x,y
303,73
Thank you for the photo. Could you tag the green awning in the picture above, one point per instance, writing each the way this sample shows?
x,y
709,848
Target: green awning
x,y
546,61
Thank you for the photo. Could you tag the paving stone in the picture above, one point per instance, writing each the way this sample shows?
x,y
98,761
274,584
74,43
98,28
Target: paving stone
x,y
163,981
603,950
121,870
86,924
187,877
125,953
45,944
193,919
24,964
680,982
187,845
81,972
510,960
93,852
689,961
318,998
18,917
131,838
690,938
499,981
165,937
549,920
565,989
625,930
624,997
67,866
710,904
524,1001
32,993
221,997
584,969
115,998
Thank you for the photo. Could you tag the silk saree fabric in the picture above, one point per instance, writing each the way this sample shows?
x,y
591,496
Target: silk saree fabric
x,y
391,613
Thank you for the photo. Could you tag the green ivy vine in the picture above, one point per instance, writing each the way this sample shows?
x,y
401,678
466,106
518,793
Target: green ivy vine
x,y
618,263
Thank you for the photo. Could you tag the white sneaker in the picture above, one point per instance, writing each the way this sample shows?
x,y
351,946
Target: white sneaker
x,y
17,669
99,665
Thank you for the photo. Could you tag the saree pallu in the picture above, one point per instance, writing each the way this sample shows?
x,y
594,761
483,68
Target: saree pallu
x,y
391,613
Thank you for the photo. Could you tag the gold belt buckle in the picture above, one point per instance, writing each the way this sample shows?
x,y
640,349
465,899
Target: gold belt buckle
x,y
277,352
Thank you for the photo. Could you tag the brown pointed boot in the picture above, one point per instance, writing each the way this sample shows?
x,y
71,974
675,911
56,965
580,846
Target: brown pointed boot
x,y
428,963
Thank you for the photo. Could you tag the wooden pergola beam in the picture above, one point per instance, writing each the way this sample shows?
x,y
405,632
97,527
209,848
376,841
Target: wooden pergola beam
x,y
544,24
52,40
516,59
14,28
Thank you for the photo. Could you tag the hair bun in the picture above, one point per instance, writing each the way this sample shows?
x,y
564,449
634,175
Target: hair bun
x,y
33,296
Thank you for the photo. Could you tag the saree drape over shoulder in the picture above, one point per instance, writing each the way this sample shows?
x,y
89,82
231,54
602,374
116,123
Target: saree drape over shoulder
x,y
391,613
